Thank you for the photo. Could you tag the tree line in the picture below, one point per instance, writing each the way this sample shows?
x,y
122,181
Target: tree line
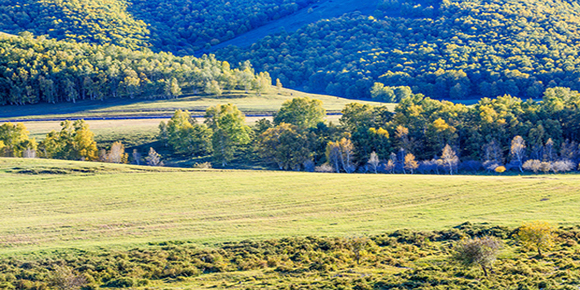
x,y
422,135
37,69
450,49
75,141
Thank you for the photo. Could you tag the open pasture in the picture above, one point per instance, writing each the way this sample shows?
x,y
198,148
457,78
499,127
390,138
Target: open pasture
x,y
46,204
248,103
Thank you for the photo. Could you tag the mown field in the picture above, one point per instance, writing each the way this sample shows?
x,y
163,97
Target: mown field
x,y
249,103
141,227
48,204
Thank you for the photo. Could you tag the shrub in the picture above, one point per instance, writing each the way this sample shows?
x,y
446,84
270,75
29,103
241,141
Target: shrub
x,y
204,165
478,251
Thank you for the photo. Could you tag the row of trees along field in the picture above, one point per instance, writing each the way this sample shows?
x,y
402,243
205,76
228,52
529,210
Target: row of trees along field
x,y
421,135
444,49
181,27
37,69
75,141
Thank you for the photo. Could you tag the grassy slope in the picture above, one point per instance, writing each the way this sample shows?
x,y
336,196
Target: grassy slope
x,y
125,205
248,103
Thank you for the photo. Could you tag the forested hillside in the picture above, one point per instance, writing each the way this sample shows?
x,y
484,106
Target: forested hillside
x,y
181,27
184,27
451,49
443,49
45,70
91,21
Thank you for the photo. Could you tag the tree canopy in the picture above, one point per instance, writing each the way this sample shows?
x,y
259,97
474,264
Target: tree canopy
x,y
450,49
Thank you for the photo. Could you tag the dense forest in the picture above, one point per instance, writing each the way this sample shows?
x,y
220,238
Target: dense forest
x,y
95,21
37,69
180,27
444,49
184,27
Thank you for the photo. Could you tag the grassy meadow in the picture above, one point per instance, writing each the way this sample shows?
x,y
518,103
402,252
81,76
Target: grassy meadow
x,y
249,103
50,204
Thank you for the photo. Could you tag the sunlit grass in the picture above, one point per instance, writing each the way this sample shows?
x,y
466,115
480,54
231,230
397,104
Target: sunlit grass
x,y
124,205
249,103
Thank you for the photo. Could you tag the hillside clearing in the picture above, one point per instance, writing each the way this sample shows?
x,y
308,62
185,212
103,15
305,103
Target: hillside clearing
x,y
248,103
49,204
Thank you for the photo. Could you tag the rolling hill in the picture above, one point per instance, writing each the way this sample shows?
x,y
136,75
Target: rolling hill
x,y
444,49
450,49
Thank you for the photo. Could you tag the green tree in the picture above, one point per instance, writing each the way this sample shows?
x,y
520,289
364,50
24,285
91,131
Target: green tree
x,y
186,136
74,142
285,146
229,131
302,112
15,140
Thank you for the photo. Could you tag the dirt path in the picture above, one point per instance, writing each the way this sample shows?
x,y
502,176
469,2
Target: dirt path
x,y
325,9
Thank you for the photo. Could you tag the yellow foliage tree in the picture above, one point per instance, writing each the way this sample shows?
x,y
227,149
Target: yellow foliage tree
x,y
410,162
539,235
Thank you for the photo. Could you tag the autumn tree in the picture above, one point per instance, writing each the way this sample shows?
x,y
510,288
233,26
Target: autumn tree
x,y
410,162
340,154
391,163
75,141
153,158
478,252
532,165
15,140
374,161
537,234
116,154
492,155
229,131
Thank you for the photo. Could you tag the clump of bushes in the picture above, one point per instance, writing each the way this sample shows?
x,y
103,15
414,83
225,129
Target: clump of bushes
x,y
417,259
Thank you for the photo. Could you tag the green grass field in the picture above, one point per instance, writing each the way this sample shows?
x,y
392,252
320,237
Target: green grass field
x,y
249,103
50,204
